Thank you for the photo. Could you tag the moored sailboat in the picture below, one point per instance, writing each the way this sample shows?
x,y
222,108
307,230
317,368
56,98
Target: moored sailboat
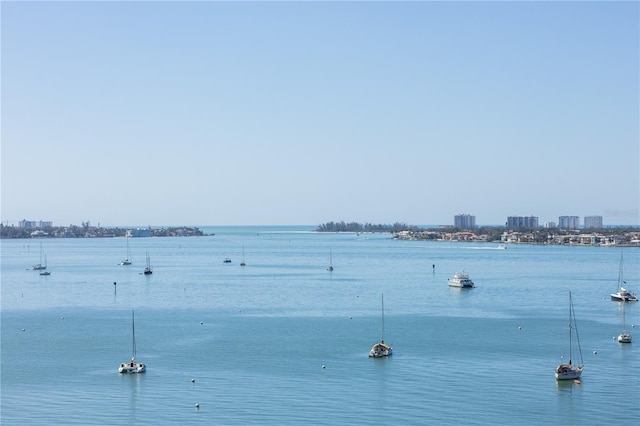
x,y
148,270
381,349
127,260
622,295
624,337
133,366
569,371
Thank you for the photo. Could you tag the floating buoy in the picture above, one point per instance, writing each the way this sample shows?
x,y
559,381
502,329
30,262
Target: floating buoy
x,y
61,317
197,406
350,317
519,328
595,352
23,329
323,366
201,323
577,381
193,380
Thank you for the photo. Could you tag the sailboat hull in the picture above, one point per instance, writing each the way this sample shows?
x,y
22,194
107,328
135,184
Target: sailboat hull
x,y
132,368
567,372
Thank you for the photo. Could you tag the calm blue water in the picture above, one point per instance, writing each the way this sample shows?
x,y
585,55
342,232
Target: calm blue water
x,y
255,338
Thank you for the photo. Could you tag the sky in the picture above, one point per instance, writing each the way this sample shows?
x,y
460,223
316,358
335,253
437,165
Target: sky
x,y
301,113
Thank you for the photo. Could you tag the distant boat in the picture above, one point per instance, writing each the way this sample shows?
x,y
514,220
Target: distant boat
x,y
45,273
133,366
381,349
569,371
148,270
40,266
502,247
623,295
226,260
330,267
624,337
242,263
127,260
461,280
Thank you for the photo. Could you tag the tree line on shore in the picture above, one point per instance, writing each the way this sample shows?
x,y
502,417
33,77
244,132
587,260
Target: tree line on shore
x,y
88,231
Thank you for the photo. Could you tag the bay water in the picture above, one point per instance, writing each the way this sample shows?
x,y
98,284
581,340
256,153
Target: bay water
x,y
284,341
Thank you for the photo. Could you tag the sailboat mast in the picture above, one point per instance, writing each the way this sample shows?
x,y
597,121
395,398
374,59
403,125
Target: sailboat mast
x,y
382,317
133,332
570,328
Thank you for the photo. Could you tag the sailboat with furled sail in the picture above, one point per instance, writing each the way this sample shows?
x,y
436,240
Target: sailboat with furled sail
x,y
381,349
570,371
132,367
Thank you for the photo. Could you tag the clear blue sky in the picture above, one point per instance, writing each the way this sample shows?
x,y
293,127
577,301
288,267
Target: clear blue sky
x,y
226,113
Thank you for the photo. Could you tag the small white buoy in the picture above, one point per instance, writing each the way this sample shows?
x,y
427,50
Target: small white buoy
x,y
23,329
61,317
323,366
193,380
197,406
595,352
633,326
201,323
350,317
519,328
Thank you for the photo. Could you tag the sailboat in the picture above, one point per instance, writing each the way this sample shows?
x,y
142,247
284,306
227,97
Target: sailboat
x,y
40,266
133,366
623,295
127,260
330,267
569,371
624,337
148,270
242,263
381,349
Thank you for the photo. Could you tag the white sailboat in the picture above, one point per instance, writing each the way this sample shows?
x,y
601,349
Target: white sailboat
x,y
127,260
570,371
624,337
148,270
623,295
133,366
381,349
40,266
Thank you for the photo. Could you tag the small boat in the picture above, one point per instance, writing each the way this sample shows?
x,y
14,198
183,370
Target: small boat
x,y
623,295
330,267
461,280
133,366
148,270
569,371
127,260
226,260
502,247
624,337
381,349
242,263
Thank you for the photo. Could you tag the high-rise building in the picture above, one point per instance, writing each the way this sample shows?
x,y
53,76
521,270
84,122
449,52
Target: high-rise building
x,y
593,222
569,222
515,222
464,221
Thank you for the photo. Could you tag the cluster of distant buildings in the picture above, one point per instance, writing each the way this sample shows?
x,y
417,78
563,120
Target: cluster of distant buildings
x,y
468,221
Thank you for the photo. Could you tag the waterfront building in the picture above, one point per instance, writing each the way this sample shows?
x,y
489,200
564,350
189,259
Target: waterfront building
x,y
464,221
594,222
569,222
515,222
29,224
550,225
